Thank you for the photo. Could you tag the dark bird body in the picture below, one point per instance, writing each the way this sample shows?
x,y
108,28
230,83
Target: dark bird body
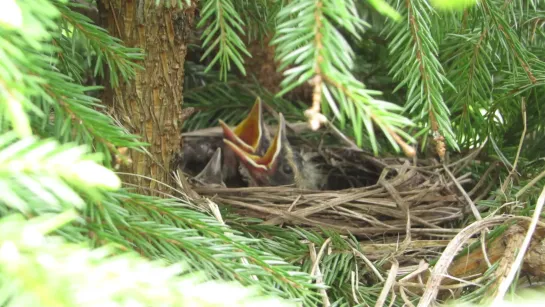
x,y
249,157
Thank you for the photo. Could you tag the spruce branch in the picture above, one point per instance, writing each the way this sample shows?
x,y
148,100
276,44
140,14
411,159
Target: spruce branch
x,y
29,35
76,117
44,270
236,96
468,65
310,45
121,60
32,82
223,27
172,229
416,64
336,265
44,175
259,16
507,38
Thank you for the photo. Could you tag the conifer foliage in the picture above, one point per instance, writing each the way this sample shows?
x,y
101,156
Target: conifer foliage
x,y
60,198
387,73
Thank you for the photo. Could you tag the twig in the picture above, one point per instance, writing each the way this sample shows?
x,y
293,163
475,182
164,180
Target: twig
x,y
217,214
392,299
530,184
290,208
484,178
462,281
463,284
405,297
353,284
422,266
319,280
467,198
369,263
514,169
343,137
388,285
483,247
441,267
319,257
502,289
403,206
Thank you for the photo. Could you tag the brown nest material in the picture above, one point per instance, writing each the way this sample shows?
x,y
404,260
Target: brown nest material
x,y
401,199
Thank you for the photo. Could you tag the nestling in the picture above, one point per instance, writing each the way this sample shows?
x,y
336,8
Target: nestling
x,y
280,164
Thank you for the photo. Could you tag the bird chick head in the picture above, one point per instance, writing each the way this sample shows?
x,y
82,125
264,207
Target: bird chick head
x,y
279,165
249,135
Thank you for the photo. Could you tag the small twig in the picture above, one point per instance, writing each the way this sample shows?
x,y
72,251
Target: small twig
x,y
217,214
319,280
405,297
294,202
483,247
353,284
343,137
290,208
461,189
484,178
504,286
464,284
514,169
441,267
319,257
462,281
388,285
422,266
530,184
404,207
369,263
523,107
392,299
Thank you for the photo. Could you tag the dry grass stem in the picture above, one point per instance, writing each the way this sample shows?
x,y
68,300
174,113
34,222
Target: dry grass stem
x,y
388,285
522,252
399,209
316,272
441,267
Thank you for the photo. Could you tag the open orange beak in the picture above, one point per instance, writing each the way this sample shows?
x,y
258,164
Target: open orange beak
x,y
248,134
266,164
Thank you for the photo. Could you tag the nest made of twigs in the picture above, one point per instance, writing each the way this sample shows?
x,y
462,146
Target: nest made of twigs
x,y
407,197
408,211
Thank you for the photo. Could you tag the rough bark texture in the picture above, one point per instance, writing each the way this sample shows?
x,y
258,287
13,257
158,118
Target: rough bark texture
x,y
150,105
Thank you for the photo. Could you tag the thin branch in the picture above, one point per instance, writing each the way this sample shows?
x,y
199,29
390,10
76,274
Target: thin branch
x,y
441,267
506,283
315,260
464,193
522,137
369,263
388,285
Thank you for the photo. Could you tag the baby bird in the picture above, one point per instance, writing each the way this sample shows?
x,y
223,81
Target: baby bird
x,y
279,165
250,136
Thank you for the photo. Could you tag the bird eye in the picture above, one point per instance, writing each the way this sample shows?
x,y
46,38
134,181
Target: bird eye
x,y
287,169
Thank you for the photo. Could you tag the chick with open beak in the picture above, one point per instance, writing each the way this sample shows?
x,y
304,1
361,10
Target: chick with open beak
x,y
250,136
279,165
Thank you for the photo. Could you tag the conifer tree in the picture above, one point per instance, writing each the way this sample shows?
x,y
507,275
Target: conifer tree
x,y
93,95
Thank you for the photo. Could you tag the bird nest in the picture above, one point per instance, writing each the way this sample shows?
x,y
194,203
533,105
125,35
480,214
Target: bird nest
x,y
391,198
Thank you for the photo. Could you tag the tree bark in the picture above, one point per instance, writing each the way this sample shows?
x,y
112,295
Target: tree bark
x,y
263,66
150,105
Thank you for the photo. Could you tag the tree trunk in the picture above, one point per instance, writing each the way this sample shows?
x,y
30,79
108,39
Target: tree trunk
x,y
150,105
263,67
